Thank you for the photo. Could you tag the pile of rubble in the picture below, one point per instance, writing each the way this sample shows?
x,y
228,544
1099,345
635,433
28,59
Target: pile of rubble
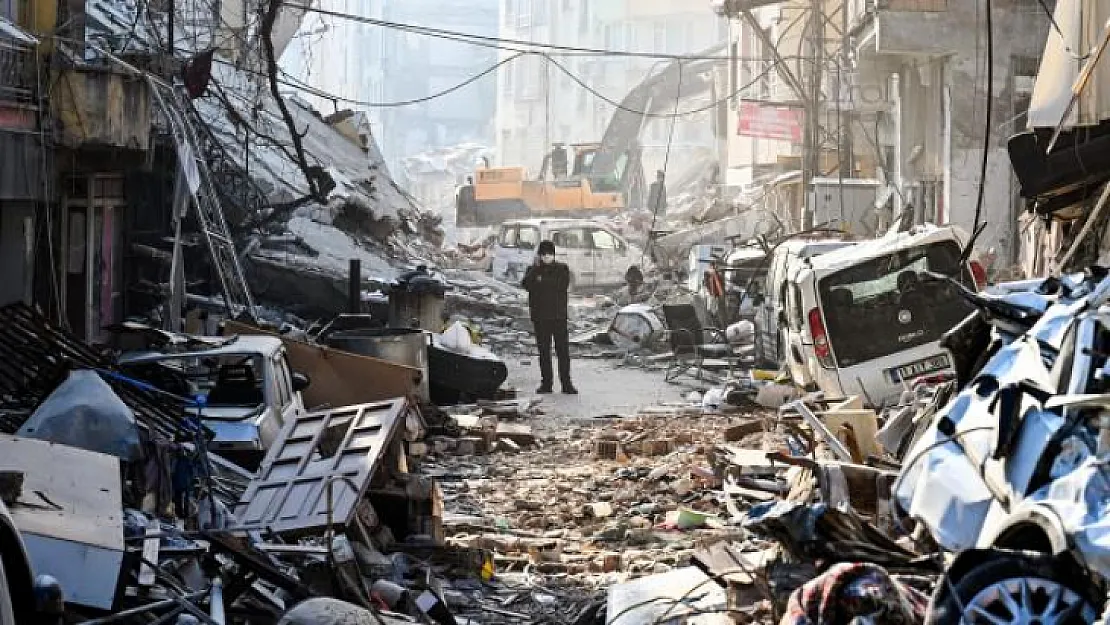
x,y
602,501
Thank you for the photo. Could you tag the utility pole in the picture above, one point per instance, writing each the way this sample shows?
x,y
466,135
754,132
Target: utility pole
x,y
169,26
811,148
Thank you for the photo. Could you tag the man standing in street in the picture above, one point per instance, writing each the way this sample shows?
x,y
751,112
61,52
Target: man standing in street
x,y
547,282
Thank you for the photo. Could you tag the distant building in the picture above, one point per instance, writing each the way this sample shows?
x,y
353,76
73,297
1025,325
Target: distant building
x,y
393,65
539,104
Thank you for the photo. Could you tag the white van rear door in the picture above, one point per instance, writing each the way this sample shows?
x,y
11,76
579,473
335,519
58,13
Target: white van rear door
x,y
572,246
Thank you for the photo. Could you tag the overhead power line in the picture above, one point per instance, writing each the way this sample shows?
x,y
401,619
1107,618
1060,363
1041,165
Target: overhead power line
x,y
295,83
502,43
987,127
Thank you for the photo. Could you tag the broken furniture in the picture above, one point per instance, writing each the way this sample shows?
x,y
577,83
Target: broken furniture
x,y
695,346
344,469
319,469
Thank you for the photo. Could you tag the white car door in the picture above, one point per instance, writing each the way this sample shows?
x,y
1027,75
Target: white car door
x,y
572,246
516,249
609,257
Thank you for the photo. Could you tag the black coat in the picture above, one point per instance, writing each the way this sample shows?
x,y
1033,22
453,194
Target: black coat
x,y
547,287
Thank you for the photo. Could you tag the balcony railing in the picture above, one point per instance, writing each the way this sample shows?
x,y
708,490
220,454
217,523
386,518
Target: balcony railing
x,y
17,71
861,10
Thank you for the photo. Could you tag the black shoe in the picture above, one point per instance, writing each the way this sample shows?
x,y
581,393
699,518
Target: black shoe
x,y
569,390
544,389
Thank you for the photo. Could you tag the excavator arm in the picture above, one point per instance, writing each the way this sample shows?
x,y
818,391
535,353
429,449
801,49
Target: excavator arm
x,y
617,164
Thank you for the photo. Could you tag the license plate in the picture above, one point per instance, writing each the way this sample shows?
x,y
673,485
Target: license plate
x,y
919,368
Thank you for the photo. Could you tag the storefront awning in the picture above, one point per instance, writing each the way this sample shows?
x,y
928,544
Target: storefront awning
x,y
1081,24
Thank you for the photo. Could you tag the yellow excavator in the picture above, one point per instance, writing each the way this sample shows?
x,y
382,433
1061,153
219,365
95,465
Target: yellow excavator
x,y
604,177
501,193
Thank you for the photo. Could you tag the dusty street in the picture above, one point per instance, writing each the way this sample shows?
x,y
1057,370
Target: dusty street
x,y
604,389
568,519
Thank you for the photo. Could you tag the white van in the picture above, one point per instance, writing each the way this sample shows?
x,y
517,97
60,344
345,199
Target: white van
x,y
864,320
597,256
786,259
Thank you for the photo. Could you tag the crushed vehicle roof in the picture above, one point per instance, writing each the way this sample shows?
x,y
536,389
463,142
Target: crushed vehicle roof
x,y
243,344
872,248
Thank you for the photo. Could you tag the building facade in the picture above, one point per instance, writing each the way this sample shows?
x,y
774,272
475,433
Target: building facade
x,y
395,65
540,103
903,100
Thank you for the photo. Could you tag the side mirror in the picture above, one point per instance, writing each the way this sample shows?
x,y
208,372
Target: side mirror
x,y
300,381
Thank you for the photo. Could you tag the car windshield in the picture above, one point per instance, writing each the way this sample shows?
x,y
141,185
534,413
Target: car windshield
x,y
886,305
228,380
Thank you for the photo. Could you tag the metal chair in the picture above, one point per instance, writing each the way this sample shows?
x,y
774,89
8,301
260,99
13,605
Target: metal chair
x,y
695,346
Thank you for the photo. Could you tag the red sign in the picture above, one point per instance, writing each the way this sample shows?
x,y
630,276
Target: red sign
x,y
16,118
770,122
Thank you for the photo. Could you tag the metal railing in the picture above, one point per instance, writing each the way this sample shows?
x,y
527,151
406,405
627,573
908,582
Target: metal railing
x,y
860,10
17,71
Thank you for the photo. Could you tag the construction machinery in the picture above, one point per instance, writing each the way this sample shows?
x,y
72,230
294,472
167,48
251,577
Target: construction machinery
x,y
605,177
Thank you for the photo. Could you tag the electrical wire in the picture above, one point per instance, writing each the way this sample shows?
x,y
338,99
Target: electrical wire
x,y
499,41
987,127
666,161
298,84
295,83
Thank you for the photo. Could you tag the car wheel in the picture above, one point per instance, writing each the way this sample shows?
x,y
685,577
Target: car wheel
x,y
7,613
1019,588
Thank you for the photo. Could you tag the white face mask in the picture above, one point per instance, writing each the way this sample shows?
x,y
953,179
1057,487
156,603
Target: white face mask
x,y
547,259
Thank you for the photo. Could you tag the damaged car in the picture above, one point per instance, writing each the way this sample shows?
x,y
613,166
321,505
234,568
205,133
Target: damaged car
x,y
1012,473
248,390
866,320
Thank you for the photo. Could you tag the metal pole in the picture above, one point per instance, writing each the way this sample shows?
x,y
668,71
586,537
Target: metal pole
x,y
354,287
216,601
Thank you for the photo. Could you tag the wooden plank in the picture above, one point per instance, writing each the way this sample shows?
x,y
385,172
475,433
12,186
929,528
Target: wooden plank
x,y
864,426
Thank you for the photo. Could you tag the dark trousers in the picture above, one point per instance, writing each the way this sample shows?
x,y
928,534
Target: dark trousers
x,y
546,330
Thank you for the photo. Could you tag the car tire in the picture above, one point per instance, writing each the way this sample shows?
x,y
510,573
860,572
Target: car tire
x,y
1027,580
7,612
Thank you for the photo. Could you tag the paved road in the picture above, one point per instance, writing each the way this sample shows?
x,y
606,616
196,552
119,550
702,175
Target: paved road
x,y
603,388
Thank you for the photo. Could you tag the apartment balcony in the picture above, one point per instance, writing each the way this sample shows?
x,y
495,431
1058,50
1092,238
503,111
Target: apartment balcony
x,y
17,71
916,27
18,80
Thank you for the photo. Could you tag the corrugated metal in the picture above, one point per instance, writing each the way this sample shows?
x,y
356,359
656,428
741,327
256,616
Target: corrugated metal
x,y
21,169
1081,25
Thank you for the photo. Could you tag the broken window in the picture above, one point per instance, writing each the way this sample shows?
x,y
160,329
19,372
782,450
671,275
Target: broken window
x,y
230,381
886,305
602,240
574,238
528,238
